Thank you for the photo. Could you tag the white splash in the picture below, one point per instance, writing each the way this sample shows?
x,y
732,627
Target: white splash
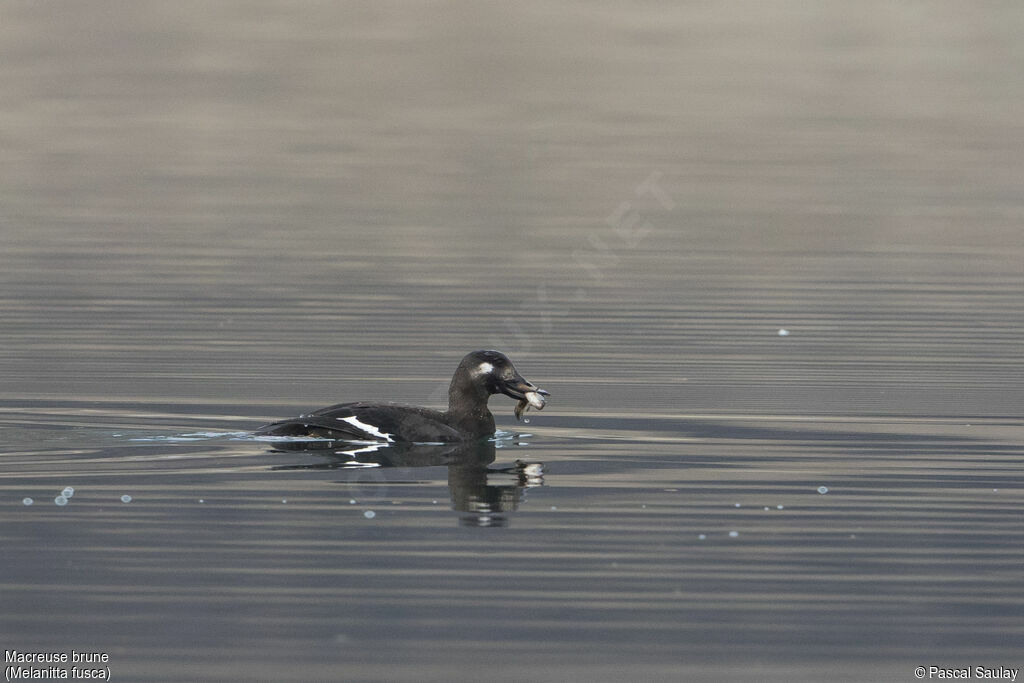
x,y
197,436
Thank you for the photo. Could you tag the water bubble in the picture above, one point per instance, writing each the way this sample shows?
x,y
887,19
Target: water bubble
x,y
779,507
738,505
201,500
733,534
67,492
766,508
284,500
783,332
554,507
126,498
369,514
702,536
352,501
60,500
27,501
822,490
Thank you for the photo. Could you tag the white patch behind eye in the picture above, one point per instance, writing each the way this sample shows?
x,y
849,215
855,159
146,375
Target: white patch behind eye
x,y
484,368
368,428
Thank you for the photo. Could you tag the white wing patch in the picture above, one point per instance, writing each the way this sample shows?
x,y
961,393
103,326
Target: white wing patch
x,y
368,428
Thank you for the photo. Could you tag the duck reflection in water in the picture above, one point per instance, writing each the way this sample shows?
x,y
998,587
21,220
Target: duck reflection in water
x,y
484,494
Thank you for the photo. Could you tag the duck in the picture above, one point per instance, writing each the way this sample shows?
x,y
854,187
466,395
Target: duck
x,y
480,375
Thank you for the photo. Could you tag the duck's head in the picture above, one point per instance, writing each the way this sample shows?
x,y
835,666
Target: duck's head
x,y
495,373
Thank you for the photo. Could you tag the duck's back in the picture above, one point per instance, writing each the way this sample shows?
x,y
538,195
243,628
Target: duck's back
x,y
368,421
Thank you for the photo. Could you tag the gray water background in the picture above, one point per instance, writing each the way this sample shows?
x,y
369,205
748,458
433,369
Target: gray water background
x,y
217,214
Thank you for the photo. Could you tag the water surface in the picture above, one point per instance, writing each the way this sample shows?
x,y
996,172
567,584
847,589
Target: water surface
x,y
766,258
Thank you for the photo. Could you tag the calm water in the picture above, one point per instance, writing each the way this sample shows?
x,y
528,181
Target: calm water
x,y
767,258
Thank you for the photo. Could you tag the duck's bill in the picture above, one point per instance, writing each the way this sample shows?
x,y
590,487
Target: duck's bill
x,y
516,388
528,395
